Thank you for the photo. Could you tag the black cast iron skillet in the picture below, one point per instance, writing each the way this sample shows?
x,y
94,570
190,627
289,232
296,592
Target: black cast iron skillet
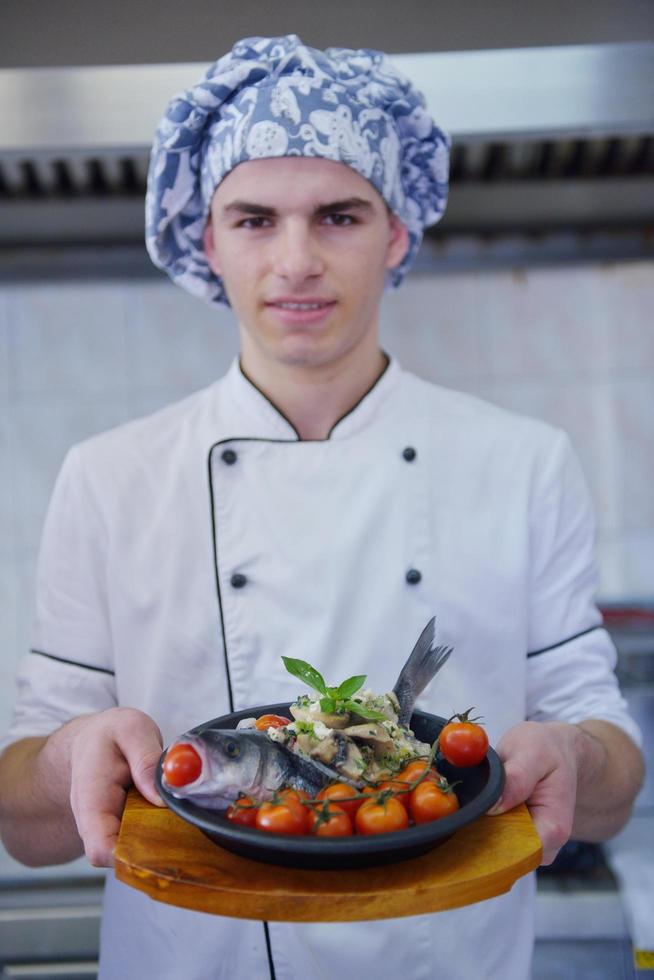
x,y
478,787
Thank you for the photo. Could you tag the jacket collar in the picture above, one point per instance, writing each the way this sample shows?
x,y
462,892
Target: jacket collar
x,y
251,413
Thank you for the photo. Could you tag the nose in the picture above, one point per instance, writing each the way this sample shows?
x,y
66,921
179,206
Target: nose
x,y
182,764
297,254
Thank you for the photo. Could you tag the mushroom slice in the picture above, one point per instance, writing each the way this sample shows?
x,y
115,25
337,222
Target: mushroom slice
x,y
300,713
326,750
369,732
348,759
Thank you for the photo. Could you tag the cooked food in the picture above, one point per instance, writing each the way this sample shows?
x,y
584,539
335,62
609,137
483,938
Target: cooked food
x,y
344,733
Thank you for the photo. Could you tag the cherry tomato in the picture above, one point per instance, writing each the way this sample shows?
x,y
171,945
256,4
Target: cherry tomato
x,y
182,764
265,722
282,818
342,795
429,801
400,789
243,811
334,823
415,769
463,743
290,795
296,798
380,818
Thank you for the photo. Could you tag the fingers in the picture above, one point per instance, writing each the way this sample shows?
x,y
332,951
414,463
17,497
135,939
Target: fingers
x,y
141,744
552,806
97,805
114,749
540,772
518,786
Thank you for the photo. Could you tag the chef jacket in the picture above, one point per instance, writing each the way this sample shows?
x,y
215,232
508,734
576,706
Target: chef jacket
x,y
185,553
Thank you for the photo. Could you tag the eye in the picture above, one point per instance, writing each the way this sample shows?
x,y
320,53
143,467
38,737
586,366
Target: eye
x,y
232,749
339,220
256,221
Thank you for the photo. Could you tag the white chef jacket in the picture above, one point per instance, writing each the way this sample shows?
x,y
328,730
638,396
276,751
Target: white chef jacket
x,y
183,554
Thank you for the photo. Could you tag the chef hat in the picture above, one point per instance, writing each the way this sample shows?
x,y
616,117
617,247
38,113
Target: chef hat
x,y
274,97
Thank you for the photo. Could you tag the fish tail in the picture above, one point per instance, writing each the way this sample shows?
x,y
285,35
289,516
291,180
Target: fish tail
x,y
423,664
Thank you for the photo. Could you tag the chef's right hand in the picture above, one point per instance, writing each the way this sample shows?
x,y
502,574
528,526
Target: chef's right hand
x,y
109,752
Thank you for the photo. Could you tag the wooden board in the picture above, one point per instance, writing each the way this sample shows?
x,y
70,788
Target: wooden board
x,y
161,854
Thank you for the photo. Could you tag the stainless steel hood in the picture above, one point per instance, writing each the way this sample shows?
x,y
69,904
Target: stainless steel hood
x,y
544,140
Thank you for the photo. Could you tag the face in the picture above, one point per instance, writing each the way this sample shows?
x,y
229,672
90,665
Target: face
x,y
303,246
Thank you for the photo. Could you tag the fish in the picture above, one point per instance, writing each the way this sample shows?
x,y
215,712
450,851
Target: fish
x,y
223,764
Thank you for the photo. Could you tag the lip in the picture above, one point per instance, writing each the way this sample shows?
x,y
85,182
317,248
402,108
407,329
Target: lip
x,y
300,316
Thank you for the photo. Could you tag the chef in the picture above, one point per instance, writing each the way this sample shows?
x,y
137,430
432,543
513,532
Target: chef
x,y
317,502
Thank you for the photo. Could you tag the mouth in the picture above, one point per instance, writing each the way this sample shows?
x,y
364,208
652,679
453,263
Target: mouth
x,y
300,311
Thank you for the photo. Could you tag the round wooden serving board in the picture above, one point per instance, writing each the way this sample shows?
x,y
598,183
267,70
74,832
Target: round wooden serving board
x,y
174,862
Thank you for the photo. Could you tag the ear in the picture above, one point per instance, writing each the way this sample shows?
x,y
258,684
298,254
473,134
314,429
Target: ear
x,y
398,242
209,247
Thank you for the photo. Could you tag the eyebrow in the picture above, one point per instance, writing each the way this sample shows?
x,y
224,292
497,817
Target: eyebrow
x,y
348,204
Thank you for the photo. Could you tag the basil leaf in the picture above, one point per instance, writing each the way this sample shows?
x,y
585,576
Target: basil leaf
x,y
358,709
306,673
328,705
350,686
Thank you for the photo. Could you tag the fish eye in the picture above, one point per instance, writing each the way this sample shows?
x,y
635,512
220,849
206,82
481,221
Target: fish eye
x,y
232,748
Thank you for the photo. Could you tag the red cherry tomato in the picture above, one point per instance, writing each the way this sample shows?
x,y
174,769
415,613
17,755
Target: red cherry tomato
x,y
463,743
182,764
264,722
429,801
243,811
400,789
282,818
329,820
381,818
296,798
293,795
415,769
341,794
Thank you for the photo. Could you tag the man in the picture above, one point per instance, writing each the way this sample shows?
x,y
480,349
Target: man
x,y
345,502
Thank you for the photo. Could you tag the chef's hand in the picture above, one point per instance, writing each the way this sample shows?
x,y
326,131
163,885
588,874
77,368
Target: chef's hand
x,y
541,766
108,752
577,780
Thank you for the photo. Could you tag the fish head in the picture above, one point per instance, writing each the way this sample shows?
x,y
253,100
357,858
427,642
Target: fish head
x,y
212,767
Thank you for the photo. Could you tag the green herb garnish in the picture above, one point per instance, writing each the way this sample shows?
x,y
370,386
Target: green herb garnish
x,y
335,700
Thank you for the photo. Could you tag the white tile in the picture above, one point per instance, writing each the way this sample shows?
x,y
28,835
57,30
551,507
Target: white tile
x,y
610,564
638,563
627,565
25,571
630,303
68,338
43,434
7,476
435,326
634,421
4,343
548,322
175,340
583,411
144,402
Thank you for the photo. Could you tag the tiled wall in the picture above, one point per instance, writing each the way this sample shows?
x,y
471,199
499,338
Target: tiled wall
x,y
574,346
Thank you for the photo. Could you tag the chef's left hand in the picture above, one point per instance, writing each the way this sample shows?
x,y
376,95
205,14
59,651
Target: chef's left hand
x,y
542,763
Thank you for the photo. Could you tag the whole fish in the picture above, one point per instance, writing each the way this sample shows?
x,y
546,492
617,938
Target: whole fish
x,y
222,764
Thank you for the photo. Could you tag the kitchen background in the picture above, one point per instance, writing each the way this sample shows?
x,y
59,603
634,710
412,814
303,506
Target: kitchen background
x,y
544,307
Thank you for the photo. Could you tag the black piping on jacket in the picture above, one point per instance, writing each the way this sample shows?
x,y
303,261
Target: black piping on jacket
x,y
575,636
74,663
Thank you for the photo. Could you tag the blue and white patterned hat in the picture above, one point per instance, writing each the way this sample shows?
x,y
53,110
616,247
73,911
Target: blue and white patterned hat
x,y
273,97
